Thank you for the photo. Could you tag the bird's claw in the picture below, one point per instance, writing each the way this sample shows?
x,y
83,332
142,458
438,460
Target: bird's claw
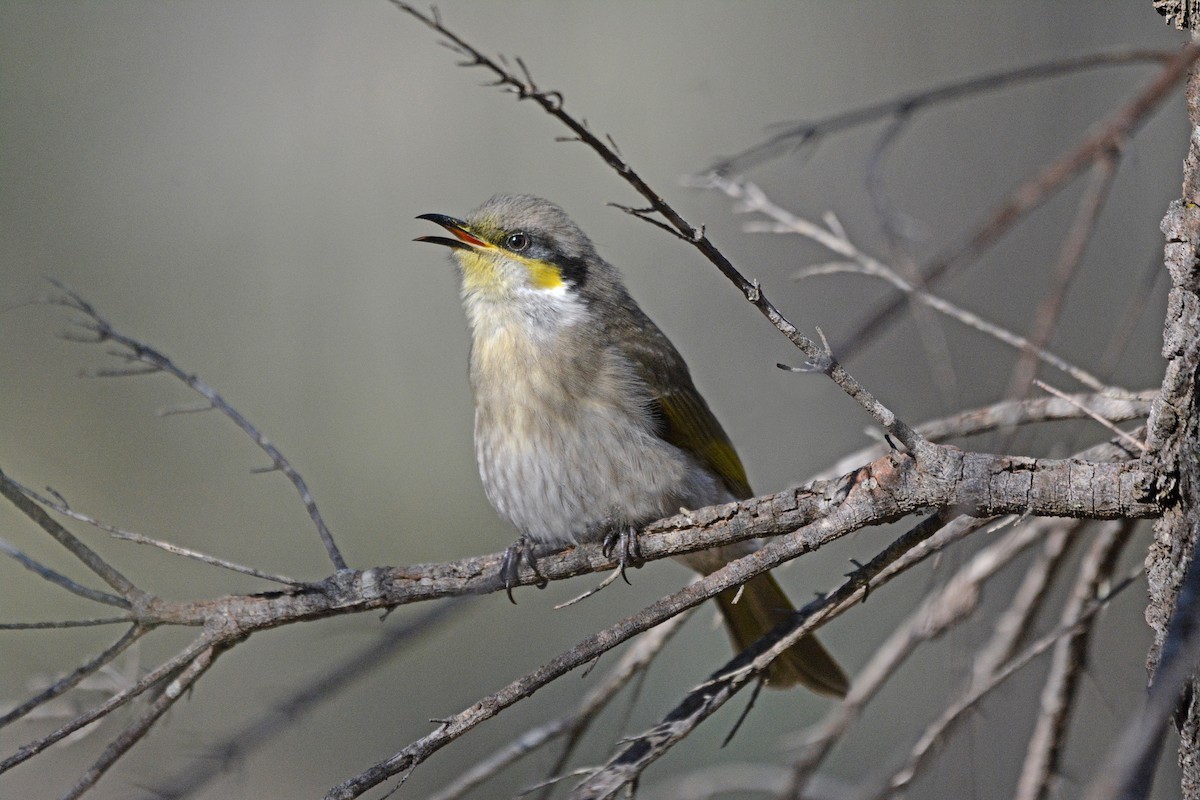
x,y
510,566
624,543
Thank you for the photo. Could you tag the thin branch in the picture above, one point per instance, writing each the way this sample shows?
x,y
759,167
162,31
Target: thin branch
x,y
799,134
950,605
58,578
165,670
833,237
1138,443
1043,755
1070,258
141,726
70,681
68,623
144,353
60,506
937,731
1012,627
204,558
284,714
633,663
92,560
1007,413
1031,194
640,751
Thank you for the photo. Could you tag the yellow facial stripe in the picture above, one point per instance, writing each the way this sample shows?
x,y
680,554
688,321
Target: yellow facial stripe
x,y
479,271
542,274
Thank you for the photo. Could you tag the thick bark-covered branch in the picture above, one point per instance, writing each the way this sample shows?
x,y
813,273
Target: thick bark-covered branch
x,y
1173,435
888,489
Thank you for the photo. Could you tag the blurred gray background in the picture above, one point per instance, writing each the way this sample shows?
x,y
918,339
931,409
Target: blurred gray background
x,y
236,184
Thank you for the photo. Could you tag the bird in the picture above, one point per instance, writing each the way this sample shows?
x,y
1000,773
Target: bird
x,y
587,422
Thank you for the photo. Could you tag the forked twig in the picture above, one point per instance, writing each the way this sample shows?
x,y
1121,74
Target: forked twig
x,y
1032,193
140,352
751,198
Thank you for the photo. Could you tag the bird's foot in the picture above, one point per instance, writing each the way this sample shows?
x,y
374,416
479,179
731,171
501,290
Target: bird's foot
x,y
624,543
510,566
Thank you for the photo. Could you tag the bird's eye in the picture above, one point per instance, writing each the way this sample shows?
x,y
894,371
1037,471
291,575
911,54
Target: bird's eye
x,y
517,241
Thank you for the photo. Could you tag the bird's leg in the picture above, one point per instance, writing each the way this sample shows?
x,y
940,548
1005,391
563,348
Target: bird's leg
x,y
510,565
624,542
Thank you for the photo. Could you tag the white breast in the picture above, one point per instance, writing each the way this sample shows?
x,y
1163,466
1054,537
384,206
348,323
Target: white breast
x,y
564,442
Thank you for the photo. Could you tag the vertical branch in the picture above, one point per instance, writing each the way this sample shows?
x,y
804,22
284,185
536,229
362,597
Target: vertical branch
x,y
1045,319
1173,429
952,604
1044,753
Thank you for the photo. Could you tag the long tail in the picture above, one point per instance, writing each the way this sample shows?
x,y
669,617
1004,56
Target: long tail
x,y
761,606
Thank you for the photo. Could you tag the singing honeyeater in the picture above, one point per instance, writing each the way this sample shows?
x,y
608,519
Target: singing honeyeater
x,y
586,418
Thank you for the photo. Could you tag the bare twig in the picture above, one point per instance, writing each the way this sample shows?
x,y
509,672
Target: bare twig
x,y
141,726
165,670
974,422
300,701
67,623
1138,443
632,664
1031,194
60,506
1045,318
92,560
800,134
212,561
1013,625
70,681
141,352
833,237
1059,694
954,602
935,733
58,578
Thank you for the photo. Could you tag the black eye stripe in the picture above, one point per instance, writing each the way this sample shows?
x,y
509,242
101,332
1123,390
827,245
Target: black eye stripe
x,y
574,269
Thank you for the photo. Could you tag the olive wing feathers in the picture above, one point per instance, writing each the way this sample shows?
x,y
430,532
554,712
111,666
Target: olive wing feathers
x,y
681,415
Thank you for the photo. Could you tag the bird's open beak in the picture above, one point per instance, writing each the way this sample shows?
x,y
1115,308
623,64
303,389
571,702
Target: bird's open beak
x,y
463,239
